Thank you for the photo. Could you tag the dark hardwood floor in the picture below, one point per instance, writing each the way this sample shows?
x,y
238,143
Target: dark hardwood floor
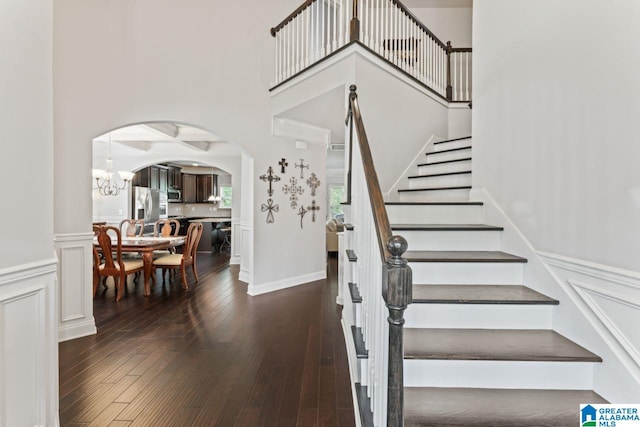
x,y
212,356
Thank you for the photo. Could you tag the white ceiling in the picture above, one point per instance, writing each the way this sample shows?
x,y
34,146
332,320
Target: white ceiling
x,y
137,140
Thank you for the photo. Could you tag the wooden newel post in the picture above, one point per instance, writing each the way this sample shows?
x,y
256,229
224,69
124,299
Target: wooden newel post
x,y
354,25
396,290
449,87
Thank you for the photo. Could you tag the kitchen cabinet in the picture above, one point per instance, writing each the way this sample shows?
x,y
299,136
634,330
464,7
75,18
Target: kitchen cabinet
x,y
174,178
151,177
189,186
203,188
163,180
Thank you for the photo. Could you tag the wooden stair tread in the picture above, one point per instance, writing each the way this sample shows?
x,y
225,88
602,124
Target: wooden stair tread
x,y
358,341
493,344
355,293
449,150
351,255
477,407
445,161
462,256
348,227
464,187
364,405
452,140
443,203
479,294
445,227
440,174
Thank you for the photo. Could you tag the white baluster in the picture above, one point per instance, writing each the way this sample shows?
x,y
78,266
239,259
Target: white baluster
x,y
467,74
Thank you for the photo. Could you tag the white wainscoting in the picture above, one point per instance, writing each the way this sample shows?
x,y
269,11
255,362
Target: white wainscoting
x,y
28,345
611,298
76,290
244,241
236,255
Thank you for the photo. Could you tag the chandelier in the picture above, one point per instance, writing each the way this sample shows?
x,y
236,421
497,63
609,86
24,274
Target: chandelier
x,y
214,197
106,179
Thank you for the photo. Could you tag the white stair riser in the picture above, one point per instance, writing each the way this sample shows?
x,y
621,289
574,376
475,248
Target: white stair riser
x,y
451,240
434,214
448,155
499,374
452,144
483,316
434,196
357,313
441,181
467,273
445,167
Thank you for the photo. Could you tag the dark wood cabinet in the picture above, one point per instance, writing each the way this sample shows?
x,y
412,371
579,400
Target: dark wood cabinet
x,y
189,188
152,177
174,178
203,188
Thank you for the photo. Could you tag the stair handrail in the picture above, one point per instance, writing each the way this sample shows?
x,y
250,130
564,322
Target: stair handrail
x,y
397,275
292,15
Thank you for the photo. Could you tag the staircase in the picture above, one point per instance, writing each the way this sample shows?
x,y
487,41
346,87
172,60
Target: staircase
x,y
479,349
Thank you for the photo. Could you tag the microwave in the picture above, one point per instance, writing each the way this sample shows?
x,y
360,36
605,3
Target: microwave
x,y
174,196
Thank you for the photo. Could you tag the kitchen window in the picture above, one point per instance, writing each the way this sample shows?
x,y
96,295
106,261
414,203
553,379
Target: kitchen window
x,y
225,193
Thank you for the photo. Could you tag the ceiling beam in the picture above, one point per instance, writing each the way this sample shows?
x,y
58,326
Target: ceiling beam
x,y
167,129
196,145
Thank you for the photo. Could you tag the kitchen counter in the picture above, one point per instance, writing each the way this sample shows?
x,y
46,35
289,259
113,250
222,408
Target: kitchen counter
x,y
211,219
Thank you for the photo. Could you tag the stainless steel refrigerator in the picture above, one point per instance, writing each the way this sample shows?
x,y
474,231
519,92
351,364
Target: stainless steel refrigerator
x,y
146,204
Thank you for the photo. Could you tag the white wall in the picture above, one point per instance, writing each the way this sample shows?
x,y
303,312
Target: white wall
x,y
554,129
28,333
555,123
447,23
202,62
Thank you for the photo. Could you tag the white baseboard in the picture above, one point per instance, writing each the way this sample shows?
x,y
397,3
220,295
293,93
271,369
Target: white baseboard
x,y
289,282
77,330
234,260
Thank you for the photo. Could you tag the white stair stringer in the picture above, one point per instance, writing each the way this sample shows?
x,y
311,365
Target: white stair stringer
x,y
499,374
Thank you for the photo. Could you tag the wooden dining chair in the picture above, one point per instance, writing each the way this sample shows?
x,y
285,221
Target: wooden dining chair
x,y
109,262
166,228
186,258
132,227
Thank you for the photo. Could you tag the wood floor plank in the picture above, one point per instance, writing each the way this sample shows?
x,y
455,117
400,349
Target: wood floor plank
x,y
212,356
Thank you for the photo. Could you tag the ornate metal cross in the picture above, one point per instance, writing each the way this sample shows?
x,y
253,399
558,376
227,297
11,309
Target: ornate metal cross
x,y
313,182
313,209
301,212
293,190
302,166
270,178
270,208
283,164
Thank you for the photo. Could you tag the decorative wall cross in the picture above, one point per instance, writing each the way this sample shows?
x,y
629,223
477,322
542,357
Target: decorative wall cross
x,y
270,178
302,166
313,182
293,190
270,208
301,212
283,164
313,208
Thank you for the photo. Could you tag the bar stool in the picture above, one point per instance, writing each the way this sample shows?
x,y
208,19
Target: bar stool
x,y
226,243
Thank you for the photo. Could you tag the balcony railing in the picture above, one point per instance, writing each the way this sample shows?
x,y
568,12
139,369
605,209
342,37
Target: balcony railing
x,y
318,28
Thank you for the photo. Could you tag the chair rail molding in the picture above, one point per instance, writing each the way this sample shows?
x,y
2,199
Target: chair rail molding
x,y
29,372
75,296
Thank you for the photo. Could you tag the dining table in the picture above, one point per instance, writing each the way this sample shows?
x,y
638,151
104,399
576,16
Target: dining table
x,y
145,246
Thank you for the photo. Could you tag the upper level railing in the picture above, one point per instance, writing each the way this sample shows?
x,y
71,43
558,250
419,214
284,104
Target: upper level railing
x,y
384,279
318,28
